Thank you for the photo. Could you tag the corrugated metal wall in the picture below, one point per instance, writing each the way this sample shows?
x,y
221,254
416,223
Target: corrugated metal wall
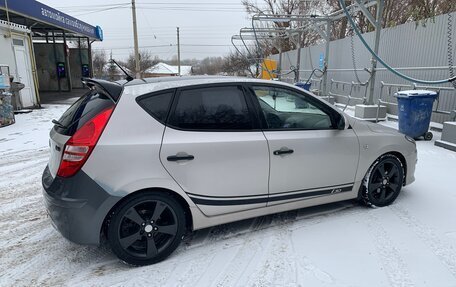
x,y
415,50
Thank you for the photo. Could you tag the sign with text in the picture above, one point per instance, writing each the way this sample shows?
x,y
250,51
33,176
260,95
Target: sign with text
x,y
38,11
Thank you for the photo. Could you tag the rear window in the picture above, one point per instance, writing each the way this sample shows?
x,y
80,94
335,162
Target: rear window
x,y
157,105
81,111
214,108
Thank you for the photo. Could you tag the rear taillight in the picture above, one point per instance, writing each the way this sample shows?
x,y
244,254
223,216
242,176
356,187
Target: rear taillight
x,y
80,145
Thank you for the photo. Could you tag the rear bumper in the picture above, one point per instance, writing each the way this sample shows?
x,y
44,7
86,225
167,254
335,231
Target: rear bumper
x,y
77,206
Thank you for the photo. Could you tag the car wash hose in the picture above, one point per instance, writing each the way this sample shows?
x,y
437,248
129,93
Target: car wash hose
x,y
397,73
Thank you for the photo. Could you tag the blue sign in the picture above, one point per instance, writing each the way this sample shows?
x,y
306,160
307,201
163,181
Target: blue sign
x,y
322,61
99,33
43,13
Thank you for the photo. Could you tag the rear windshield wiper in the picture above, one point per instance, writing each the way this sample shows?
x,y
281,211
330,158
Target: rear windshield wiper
x,y
59,124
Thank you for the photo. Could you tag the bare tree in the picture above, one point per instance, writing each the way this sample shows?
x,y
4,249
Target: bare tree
x,y
423,9
286,7
395,12
209,66
112,70
237,64
99,62
146,61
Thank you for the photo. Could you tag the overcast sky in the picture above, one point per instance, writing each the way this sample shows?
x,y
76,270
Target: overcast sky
x,y
201,22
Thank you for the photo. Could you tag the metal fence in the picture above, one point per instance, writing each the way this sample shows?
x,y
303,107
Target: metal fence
x,y
416,49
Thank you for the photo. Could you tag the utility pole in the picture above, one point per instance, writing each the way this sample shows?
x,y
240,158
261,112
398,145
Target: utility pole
x,y
178,53
135,37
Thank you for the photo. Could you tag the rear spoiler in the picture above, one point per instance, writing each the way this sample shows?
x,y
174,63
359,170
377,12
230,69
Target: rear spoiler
x,y
111,89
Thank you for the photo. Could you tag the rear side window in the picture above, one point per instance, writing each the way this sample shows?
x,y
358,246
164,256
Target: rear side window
x,y
157,105
214,108
84,109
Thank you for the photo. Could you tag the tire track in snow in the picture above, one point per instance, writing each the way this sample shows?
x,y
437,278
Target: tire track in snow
x,y
27,240
195,268
283,253
18,188
250,250
15,169
276,262
445,252
23,156
391,260
314,215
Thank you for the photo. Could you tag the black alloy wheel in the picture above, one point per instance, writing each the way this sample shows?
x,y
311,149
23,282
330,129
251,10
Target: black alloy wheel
x,y
384,181
146,228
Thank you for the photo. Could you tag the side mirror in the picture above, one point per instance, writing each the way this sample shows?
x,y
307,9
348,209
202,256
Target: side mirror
x,y
341,123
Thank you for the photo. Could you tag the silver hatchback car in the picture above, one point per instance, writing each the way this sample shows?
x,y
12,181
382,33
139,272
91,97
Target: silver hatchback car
x,y
144,162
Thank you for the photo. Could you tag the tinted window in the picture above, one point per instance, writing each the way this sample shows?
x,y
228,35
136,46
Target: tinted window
x,y
285,109
81,111
157,105
219,108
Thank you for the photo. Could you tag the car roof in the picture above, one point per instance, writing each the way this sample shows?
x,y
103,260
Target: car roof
x,y
148,85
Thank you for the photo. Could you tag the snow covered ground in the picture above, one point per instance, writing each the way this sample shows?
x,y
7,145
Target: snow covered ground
x,y
410,243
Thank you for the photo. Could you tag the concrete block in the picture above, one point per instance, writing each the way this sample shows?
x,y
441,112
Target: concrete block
x,y
449,132
369,112
445,144
448,140
329,99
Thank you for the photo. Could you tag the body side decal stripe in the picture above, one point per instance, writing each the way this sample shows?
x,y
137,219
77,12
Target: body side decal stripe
x,y
303,195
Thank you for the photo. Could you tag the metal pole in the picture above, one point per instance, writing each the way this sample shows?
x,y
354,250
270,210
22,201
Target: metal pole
x,y
298,60
178,53
67,61
135,39
89,52
326,63
378,29
55,60
279,65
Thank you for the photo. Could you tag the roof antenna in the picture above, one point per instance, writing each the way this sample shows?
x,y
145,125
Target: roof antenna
x,y
128,77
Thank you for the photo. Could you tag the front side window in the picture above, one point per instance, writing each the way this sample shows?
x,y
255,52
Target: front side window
x,y
285,109
214,108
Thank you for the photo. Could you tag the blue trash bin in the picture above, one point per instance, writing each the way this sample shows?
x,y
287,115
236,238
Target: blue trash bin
x,y
415,110
305,86
300,104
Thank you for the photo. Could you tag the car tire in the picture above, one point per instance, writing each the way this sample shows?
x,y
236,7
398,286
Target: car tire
x,y
146,228
383,181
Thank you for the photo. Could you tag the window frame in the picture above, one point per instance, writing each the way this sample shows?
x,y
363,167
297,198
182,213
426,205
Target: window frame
x,y
157,93
256,126
331,112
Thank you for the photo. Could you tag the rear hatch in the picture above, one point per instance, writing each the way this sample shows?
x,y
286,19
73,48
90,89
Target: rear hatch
x,y
96,100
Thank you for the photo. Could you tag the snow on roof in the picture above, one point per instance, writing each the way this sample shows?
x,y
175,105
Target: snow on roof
x,y
163,68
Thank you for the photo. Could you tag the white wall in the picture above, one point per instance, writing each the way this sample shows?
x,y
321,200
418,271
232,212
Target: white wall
x,y
28,97
6,51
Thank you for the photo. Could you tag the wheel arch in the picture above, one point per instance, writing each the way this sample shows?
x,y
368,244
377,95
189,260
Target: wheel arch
x,y
397,154
403,161
182,202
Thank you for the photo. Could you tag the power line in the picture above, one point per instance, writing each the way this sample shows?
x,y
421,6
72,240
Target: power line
x,y
151,4
170,45
105,9
186,9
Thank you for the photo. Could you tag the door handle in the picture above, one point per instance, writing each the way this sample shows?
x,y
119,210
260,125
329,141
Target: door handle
x,y
283,150
180,156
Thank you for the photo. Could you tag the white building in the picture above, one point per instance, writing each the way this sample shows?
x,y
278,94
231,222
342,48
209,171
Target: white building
x,y
164,70
17,54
